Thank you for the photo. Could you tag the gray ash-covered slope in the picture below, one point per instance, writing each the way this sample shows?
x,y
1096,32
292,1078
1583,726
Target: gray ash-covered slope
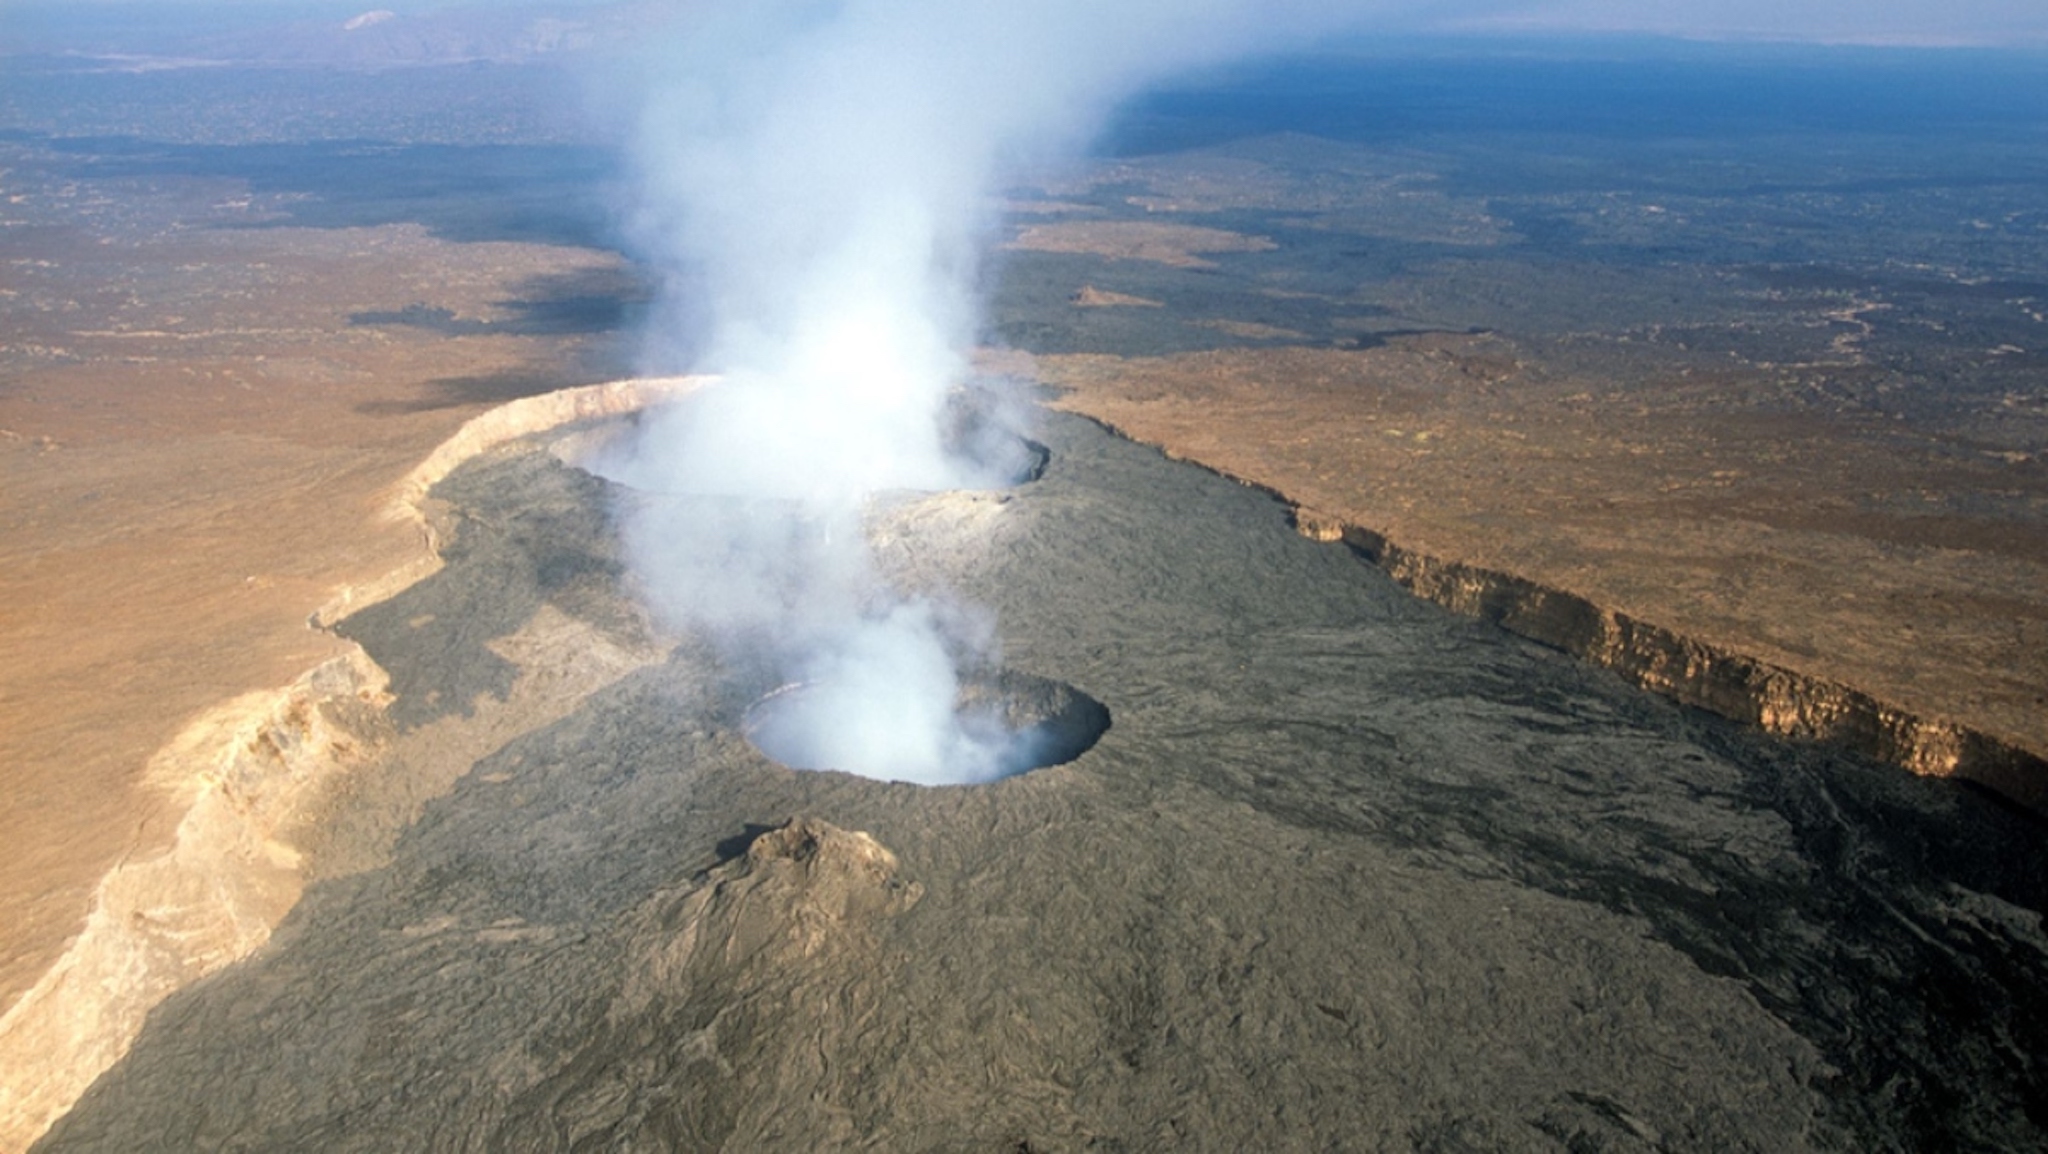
x,y
1346,872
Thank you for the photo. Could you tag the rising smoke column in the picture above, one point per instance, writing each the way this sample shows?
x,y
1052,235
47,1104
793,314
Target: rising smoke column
x,y
818,183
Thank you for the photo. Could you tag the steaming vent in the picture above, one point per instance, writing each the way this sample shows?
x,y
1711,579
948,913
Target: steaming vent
x,y
979,440
1015,460
1007,723
973,428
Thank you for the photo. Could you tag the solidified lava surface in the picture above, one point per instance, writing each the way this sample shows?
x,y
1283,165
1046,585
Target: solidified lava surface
x,y
1348,871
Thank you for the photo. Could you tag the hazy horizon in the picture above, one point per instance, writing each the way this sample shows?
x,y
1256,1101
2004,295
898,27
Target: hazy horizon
x,y
128,25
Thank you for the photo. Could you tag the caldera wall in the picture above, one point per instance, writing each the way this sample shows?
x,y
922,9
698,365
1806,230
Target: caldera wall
x,y
1775,699
254,785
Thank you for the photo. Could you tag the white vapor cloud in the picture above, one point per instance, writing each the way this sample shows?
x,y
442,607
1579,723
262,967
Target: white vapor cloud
x,y
818,180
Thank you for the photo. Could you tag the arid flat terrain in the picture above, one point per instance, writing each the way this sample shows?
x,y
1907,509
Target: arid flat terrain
x,y
1728,508
201,421
1827,455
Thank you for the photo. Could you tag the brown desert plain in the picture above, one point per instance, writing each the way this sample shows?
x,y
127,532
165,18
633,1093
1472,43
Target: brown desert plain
x,y
200,454
1809,502
1717,509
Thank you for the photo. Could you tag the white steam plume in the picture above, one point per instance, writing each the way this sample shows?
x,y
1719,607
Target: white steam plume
x,y
818,183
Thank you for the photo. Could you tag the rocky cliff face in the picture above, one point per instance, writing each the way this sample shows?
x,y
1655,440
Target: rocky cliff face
x,y
1815,572
246,775
274,789
1778,700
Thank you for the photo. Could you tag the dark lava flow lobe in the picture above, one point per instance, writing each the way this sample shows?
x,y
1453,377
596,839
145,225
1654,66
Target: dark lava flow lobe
x,y
1348,871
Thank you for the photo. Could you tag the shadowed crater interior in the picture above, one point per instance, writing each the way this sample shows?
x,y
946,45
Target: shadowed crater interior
x,y
1007,723
974,427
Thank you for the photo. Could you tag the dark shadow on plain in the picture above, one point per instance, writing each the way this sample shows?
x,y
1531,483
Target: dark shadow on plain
x,y
487,389
580,303
597,310
546,194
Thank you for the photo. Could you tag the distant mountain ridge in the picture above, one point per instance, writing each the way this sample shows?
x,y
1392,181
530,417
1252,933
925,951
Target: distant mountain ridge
x,y
381,38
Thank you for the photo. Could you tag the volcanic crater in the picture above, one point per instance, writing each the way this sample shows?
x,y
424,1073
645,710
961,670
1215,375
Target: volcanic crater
x,y
1347,864
1016,721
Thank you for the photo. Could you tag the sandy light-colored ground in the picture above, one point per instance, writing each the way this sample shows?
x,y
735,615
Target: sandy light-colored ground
x,y
197,448
1828,545
1168,243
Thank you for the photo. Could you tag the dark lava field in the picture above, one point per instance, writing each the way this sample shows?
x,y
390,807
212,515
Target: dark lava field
x,y
1345,872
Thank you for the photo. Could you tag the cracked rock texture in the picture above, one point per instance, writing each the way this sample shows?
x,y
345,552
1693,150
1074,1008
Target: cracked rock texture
x,y
1347,870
